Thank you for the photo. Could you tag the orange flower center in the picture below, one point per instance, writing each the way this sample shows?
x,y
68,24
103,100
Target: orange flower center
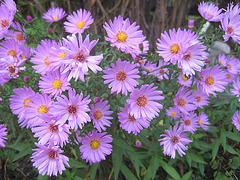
x,y
228,76
175,48
25,102
4,23
46,61
13,53
19,36
210,80
230,29
142,101
97,115
187,122
181,102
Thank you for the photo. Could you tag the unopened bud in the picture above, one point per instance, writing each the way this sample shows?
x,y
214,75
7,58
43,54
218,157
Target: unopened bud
x,y
26,78
137,59
49,30
96,99
207,61
191,23
138,143
29,18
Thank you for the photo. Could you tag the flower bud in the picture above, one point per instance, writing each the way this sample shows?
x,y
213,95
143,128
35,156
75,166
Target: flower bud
x,y
190,23
96,99
138,143
26,78
207,61
49,30
29,18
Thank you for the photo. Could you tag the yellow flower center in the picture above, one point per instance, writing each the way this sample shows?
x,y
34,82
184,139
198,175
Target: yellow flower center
x,y
173,114
239,120
121,36
25,102
94,144
149,69
210,81
184,78
57,84
63,54
228,76
55,18
80,25
43,109
175,48
13,53
98,114
201,122
221,62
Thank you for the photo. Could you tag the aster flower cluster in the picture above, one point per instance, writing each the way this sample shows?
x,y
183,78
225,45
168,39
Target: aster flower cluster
x,y
60,115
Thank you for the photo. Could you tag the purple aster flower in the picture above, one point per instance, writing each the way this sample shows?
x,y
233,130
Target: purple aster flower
x,y
73,109
150,67
230,77
136,50
173,112
130,123
231,26
78,22
121,77
49,160
100,115
11,6
174,139
9,68
236,89
203,120
48,131
78,58
3,134
212,80
17,33
189,122
232,10
95,146
54,14
19,104
124,35
40,104
10,47
184,80
143,102
6,19
201,99
54,83
161,73
209,11
190,23
184,100
42,57
222,59
236,120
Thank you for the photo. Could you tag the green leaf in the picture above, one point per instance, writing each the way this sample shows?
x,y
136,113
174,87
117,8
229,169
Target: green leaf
x,y
215,149
127,173
223,139
76,164
117,160
233,136
170,170
40,177
197,158
187,175
231,150
93,170
152,169
142,137
122,143
22,154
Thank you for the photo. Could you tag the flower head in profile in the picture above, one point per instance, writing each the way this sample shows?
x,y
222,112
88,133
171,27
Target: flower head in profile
x,y
54,14
48,131
49,160
121,77
184,100
78,59
209,11
10,47
189,122
100,115
174,139
3,134
78,21
19,103
124,35
95,146
203,120
17,33
173,112
130,123
212,80
6,18
236,89
236,120
143,102
54,83
72,109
